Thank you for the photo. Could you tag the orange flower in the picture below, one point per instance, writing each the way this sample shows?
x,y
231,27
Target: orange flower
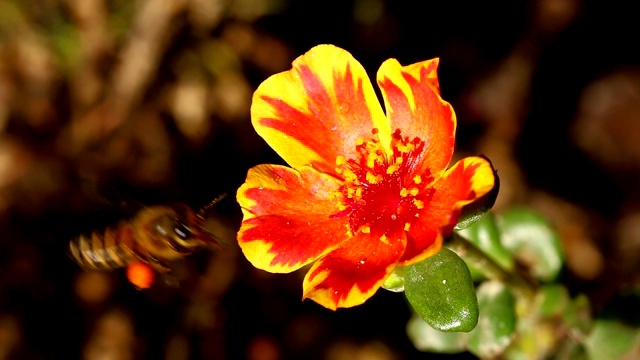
x,y
365,192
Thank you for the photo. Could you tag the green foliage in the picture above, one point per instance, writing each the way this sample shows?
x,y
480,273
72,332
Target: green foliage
x,y
395,282
552,300
517,318
530,238
612,339
441,291
426,338
495,330
616,332
497,322
486,236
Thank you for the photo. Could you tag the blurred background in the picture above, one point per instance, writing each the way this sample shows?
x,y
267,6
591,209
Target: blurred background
x,y
107,106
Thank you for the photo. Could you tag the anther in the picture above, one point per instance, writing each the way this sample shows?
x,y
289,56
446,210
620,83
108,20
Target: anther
x,y
371,179
419,204
384,239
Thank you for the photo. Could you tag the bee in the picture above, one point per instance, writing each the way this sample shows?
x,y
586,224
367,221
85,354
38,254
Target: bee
x,y
156,236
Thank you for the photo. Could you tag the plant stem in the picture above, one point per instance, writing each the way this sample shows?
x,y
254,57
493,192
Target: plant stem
x,y
474,255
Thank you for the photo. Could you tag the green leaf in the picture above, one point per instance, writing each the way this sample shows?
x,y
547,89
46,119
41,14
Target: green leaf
x,y
485,235
611,339
497,322
536,338
426,338
440,290
571,350
395,282
533,241
616,331
552,300
579,315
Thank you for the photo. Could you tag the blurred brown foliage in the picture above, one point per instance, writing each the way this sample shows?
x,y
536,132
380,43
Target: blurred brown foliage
x,y
108,105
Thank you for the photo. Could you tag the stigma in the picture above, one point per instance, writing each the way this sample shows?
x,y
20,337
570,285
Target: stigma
x,y
381,195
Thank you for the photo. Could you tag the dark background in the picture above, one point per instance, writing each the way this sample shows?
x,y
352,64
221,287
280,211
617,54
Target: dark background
x,y
109,106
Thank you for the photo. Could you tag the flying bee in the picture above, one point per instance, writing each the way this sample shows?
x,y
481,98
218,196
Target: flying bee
x,y
156,236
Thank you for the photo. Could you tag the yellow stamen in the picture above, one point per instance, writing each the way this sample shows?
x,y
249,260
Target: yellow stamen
x,y
350,176
373,146
417,179
349,232
392,168
372,179
404,192
384,239
371,160
340,160
414,191
360,141
365,229
399,160
405,148
419,204
407,226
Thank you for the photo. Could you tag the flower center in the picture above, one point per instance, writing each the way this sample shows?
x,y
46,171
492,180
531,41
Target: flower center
x,y
379,195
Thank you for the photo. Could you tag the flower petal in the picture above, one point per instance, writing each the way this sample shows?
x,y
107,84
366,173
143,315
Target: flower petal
x,y
466,181
412,99
318,109
287,217
351,274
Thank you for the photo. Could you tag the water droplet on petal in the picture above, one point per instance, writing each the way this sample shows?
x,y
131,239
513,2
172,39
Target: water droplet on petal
x,y
444,281
362,262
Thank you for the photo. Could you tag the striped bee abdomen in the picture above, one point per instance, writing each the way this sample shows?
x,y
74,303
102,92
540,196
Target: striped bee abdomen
x,y
110,249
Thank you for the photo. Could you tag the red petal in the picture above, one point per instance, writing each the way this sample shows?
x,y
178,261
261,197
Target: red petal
x,y
287,217
317,111
412,99
465,182
351,274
